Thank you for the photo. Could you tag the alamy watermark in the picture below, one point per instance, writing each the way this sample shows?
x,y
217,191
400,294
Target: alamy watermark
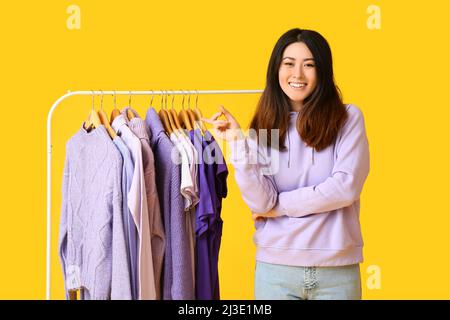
x,y
374,19
373,281
73,21
251,148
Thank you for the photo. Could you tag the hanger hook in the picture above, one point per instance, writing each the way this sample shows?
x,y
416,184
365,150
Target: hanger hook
x,y
115,101
182,101
173,98
189,99
129,99
151,101
93,95
101,100
196,100
167,98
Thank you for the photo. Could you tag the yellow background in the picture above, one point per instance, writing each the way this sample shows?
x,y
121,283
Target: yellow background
x,y
397,75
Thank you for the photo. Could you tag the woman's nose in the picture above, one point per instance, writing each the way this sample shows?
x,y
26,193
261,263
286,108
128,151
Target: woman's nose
x,y
298,72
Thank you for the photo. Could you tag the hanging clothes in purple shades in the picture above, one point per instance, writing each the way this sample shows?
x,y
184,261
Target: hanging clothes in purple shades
x,y
212,188
92,245
217,177
177,282
204,212
129,226
156,228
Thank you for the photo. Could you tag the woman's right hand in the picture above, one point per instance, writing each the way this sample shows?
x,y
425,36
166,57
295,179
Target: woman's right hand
x,y
229,129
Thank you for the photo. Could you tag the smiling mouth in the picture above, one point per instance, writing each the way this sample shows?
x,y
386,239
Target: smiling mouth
x,y
297,85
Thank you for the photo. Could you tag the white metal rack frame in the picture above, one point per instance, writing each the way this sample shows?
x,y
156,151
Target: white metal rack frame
x,y
49,147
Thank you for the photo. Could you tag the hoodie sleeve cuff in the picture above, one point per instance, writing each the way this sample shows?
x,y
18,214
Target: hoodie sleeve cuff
x,y
279,209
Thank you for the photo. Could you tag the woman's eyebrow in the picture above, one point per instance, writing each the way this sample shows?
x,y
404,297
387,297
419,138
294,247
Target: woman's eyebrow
x,y
307,59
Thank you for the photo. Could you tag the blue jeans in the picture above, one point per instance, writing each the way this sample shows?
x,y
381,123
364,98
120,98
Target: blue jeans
x,y
280,282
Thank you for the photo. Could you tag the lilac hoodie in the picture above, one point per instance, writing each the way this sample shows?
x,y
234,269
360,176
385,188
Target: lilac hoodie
x,y
315,195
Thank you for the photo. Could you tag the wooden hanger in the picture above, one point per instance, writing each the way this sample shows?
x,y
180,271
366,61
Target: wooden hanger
x,y
198,120
164,117
165,121
192,118
92,120
170,117
175,120
184,117
198,116
115,112
130,114
174,115
104,120
185,120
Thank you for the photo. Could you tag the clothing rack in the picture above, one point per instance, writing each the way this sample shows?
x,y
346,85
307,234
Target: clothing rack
x,y
49,146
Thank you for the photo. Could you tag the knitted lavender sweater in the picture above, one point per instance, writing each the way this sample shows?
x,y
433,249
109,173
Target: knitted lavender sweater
x,y
91,241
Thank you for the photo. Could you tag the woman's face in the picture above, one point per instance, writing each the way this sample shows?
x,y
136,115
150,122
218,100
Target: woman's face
x,y
297,74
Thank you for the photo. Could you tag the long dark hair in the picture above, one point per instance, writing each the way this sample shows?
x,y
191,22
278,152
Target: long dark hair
x,y
323,112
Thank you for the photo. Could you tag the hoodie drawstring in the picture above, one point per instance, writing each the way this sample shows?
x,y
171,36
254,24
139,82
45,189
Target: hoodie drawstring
x,y
289,150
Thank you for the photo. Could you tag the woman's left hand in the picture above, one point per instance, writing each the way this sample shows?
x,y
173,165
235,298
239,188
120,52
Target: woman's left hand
x,y
268,215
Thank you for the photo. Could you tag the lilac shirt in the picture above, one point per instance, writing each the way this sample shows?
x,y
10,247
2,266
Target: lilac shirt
x,y
137,203
177,282
129,226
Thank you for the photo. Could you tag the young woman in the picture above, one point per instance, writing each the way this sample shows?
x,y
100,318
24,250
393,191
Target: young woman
x,y
306,207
